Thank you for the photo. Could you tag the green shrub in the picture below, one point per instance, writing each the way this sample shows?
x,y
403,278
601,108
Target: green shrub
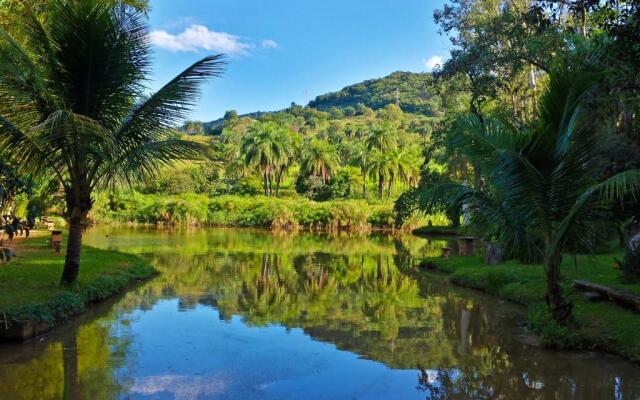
x,y
250,211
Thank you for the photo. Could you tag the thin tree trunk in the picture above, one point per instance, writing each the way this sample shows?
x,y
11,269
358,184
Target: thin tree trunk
x,y
278,180
72,257
265,182
364,186
477,177
380,186
558,306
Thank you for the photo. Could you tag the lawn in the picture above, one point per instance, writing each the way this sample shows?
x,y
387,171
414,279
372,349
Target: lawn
x,y
598,325
30,289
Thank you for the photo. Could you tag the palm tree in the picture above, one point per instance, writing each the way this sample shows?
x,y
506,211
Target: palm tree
x,y
290,142
380,167
411,166
73,105
542,184
321,159
361,160
263,148
382,137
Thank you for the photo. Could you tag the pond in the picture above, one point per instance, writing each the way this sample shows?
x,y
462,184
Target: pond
x,y
241,314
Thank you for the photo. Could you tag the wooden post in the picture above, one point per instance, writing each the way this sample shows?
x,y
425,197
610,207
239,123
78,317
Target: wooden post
x,y
56,240
467,246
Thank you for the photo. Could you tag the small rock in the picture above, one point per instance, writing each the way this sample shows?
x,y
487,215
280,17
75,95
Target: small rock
x,y
529,339
592,296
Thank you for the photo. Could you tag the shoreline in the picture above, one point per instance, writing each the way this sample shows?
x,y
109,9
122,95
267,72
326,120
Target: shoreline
x,y
33,302
599,326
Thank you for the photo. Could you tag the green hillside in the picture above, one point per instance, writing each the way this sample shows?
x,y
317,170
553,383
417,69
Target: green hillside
x,y
413,92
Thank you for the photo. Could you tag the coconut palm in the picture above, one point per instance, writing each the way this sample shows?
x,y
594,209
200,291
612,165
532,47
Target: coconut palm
x,y
321,159
263,148
542,183
73,105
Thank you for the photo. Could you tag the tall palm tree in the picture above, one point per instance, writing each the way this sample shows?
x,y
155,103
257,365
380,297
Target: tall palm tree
x,y
542,183
263,148
380,167
73,105
290,142
382,137
361,160
321,159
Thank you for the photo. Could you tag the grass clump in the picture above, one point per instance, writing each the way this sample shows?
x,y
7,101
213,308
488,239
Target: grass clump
x,y
30,290
602,325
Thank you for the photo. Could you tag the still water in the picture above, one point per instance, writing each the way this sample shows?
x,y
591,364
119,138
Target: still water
x,y
240,314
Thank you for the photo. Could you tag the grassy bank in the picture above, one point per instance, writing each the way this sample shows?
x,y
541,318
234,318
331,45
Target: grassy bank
x,y
251,211
601,326
30,290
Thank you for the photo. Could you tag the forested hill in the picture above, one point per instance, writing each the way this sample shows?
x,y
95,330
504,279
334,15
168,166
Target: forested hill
x,y
413,92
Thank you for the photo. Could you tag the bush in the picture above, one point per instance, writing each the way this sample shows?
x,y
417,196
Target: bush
x,y
228,210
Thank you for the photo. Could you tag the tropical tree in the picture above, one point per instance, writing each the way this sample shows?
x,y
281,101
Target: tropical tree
x,y
542,184
194,128
73,104
380,167
382,137
290,142
264,149
321,159
361,160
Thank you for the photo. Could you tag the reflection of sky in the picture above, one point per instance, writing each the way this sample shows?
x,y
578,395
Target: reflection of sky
x,y
195,355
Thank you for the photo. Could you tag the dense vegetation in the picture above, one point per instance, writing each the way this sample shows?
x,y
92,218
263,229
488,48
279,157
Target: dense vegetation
x,y
544,162
413,92
74,107
528,134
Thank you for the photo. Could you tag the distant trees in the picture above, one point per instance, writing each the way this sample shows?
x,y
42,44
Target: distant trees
x,y
193,128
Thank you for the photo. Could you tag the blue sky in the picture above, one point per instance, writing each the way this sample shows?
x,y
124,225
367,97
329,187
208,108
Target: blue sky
x,y
283,51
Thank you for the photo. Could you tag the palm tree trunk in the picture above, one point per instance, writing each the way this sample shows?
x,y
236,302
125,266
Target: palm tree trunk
x,y
72,257
364,186
558,306
264,183
380,186
79,204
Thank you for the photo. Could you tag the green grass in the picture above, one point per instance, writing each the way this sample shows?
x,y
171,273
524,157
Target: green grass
x,y
601,326
30,289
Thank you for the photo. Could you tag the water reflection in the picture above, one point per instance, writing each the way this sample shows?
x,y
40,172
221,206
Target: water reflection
x,y
242,314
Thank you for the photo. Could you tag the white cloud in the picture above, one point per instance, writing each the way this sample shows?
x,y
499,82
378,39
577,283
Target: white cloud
x,y
199,37
434,62
269,44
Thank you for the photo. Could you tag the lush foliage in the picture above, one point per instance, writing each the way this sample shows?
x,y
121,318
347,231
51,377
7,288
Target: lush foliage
x,y
254,211
412,92
603,326
29,292
537,167
74,107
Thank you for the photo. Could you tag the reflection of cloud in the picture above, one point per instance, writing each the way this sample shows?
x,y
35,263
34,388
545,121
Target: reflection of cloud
x,y
182,387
